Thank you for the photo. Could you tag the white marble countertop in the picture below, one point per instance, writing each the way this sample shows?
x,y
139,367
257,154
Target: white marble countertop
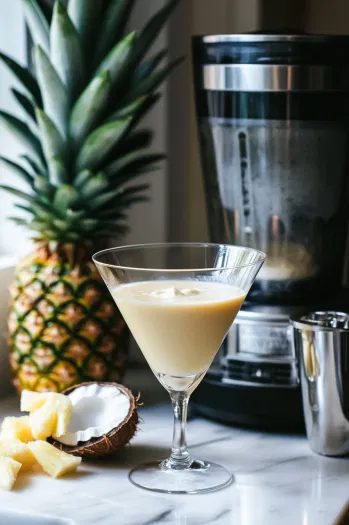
x,y
278,481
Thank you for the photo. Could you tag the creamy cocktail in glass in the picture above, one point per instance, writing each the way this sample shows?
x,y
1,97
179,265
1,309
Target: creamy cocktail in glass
x,y
179,301
179,325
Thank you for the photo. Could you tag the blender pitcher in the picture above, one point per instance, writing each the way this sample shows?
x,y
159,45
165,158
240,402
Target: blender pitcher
x,y
273,127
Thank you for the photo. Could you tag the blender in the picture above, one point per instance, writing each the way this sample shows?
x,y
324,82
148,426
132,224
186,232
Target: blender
x,y
272,114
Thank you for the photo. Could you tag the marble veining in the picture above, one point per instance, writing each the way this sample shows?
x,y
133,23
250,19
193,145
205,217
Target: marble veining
x,y
278,481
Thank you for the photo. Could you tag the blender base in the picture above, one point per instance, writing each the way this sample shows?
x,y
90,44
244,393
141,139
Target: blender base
x,y
261,407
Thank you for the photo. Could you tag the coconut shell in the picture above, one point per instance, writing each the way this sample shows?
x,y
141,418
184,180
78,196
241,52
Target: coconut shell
x,y
110,443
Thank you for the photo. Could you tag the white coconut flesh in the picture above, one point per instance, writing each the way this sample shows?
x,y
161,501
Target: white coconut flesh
x,y
96,411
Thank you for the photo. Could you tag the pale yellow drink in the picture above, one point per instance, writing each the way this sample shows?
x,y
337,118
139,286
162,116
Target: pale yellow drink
x,y
179,325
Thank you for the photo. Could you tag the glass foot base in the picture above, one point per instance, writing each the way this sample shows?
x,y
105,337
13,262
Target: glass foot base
x,y
200,477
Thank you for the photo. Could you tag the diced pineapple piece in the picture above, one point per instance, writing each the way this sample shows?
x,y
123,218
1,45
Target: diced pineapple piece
x,y
19,452
16,428
32,400
9,469
64,413
54,462
43,421
50,413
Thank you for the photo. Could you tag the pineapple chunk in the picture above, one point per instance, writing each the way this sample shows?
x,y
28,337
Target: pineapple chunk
x,y
9,469
43,421
19,452
16,429
31,400
64,413
50,413
54,462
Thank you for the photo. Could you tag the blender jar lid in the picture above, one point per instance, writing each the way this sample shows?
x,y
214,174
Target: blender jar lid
x,y
272,48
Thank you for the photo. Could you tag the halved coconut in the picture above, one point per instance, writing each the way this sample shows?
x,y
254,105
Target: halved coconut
x,y
104,419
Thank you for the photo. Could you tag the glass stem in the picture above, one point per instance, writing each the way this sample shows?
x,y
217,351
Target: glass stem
x,y
180,458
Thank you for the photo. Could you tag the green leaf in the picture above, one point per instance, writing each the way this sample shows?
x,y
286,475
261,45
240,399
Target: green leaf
x,y
83,14
43,187
140,170
153,81
146,68
72,237
61,225
82,178
131,191
127,111
114,23
103,199
66,53
40,226
117,60
50,235
24,196
45,214
58,172
75,215
34,165
25,103
152,30
126,203
66,196
100,143
37,23
45,232
149,102
54,93
95,185
17,170
122,161
19,221
150,159
24,76
133,160
27,209
138,140
24,134
88,224
131,174
119,196
53,143
90,106
111,214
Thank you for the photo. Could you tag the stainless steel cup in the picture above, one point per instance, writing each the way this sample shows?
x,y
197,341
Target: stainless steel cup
x,y
322,345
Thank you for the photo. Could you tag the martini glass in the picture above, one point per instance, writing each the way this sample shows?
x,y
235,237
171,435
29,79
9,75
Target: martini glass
x,y
179,301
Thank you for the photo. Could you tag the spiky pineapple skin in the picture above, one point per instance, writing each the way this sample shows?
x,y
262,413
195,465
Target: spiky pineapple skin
x,y
64,327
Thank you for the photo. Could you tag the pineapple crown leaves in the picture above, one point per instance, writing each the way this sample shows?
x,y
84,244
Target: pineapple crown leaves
x,y
93,83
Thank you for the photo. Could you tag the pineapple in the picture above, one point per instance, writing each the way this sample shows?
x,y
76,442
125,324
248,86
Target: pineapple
x,y
31,401
90,88
9,469
16,429
54,462
19,452
50,413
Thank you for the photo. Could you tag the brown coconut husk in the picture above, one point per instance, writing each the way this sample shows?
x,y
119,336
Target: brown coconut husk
x,y
110,443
